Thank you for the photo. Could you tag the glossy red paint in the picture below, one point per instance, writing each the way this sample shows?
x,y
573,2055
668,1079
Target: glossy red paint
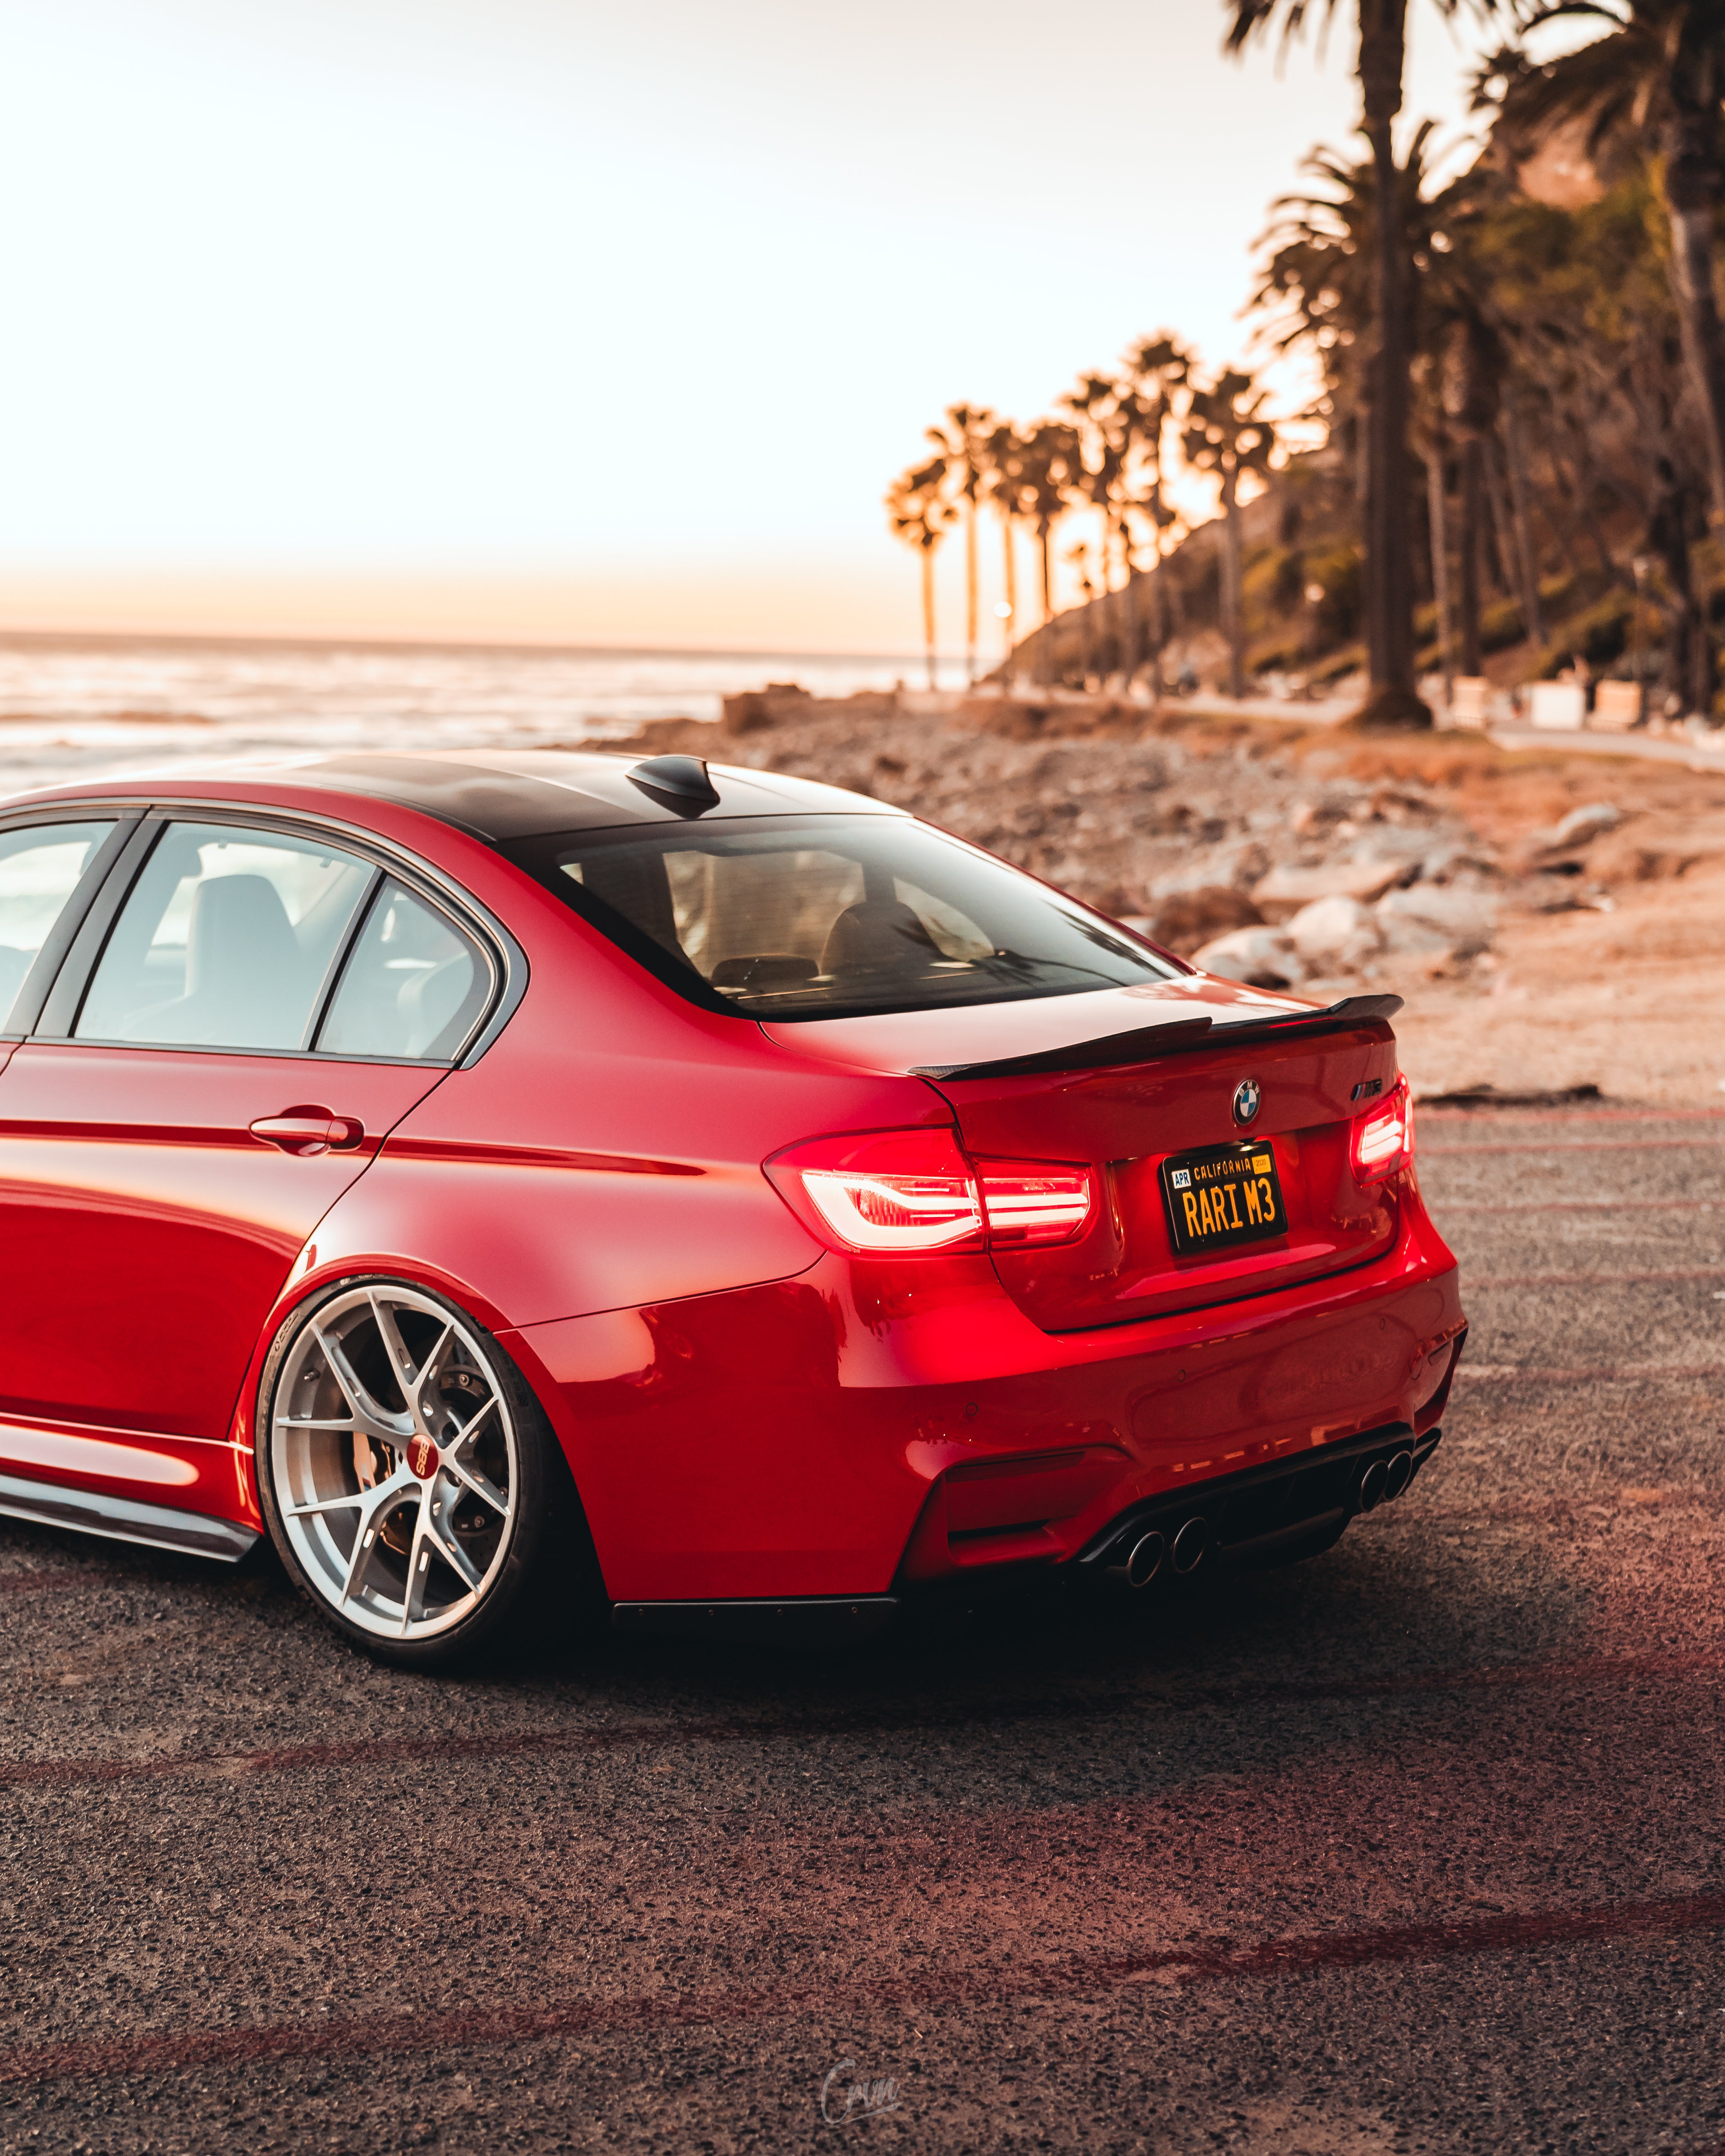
x,y
133,1173
747,1411
787,1439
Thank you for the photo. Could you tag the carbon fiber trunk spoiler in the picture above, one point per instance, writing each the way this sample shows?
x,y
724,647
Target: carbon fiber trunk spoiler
x,y
1146,1042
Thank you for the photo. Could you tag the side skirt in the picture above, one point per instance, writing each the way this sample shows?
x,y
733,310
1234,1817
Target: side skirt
x,y
123,1520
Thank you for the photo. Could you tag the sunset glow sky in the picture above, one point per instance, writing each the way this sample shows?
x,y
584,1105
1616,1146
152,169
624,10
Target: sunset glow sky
x,y
548,319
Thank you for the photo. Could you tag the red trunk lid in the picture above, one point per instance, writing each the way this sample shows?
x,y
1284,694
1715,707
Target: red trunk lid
x,y
1124,1120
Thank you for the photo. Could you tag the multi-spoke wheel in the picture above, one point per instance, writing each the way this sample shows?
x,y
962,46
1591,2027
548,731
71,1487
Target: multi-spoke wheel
x,y
405,1467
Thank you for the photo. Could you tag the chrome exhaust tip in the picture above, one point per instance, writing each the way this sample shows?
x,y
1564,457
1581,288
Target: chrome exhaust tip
x,y
1190,1544
1145,1561
1398,1474
1372,1486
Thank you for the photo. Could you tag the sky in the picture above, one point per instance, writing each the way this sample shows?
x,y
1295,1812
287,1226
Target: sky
x,y
553,321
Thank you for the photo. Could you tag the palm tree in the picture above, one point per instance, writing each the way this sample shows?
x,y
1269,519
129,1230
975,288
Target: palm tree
x,y
1657,77
1097,405
1227,432
1051,467
964,443
1473,370
921,515
1390,556
1156,371
1002,456
1319,272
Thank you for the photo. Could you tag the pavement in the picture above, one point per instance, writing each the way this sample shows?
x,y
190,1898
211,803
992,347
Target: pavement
x,y
1412,1848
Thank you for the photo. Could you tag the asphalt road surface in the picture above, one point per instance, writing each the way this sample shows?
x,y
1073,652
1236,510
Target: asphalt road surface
x,y
1415,1847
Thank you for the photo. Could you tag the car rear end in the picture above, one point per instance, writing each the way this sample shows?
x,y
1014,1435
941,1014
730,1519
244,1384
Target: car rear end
x,y
1236,1325
1140,1279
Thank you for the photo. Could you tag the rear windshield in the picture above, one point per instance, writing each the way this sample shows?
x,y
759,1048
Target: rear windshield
x,y
829,916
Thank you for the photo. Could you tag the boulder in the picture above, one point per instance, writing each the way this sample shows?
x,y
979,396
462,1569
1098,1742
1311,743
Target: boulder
x,y
1281,894
757,709
1586,822
1185,919
1335,934
1654,848
1407,938
1464,919
1241,864
1261,957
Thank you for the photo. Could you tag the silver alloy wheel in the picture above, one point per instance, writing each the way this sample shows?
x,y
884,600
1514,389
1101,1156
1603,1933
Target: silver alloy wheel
x,y
395,1461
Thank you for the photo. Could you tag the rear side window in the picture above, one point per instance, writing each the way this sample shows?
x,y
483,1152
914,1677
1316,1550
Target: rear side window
x,y
412,986
40,867
825,917
227,940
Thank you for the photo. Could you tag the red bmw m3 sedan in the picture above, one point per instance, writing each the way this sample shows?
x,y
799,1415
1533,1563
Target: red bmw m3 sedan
x,y
524,1183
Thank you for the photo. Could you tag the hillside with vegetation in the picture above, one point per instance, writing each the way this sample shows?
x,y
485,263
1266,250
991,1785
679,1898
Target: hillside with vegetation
x,y
1557,489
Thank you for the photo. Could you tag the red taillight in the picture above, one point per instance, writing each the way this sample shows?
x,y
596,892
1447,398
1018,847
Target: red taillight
x,y
1030,1201
884,1190
903,1191
1384,1137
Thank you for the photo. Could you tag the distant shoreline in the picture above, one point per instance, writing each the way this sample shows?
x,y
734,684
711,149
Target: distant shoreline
x,y
75,639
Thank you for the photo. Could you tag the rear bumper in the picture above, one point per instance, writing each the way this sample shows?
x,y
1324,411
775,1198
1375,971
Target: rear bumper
x,y
858,1432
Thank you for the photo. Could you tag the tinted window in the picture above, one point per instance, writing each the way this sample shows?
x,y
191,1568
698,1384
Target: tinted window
x,y
227,940
39,869
821,915
413,987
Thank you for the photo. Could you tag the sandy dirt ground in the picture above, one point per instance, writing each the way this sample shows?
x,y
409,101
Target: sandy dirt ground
x,y
1412,1849
1631,1002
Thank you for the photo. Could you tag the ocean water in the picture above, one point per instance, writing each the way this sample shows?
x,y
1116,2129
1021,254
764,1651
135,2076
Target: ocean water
x,y
72,707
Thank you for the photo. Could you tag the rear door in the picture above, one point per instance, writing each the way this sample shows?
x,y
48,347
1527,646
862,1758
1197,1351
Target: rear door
x,y
248,1011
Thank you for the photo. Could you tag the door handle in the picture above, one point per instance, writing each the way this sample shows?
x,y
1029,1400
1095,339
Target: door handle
x,y
309,1131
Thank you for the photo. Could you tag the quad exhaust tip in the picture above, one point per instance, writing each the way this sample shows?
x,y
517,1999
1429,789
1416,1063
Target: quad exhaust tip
x,y
1145,1561
1190,1544
1384,1479
1153,1550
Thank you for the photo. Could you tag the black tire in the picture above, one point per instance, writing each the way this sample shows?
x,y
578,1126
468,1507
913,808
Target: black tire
x,y
544,1589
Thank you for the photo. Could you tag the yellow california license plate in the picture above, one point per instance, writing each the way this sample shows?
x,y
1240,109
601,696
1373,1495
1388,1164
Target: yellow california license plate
x,y
1222,1195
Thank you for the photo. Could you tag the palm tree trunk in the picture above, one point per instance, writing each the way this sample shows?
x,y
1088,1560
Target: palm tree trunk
x,y
1472,517
1691,194
1012,595
1502,535
928,610
1392,700
1532,616
1559,499
970,592
1045,533
1232,611
1436,511
1129,614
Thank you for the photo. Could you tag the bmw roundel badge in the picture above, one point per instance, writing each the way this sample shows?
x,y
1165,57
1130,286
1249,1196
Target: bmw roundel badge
x,y
1246,1097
